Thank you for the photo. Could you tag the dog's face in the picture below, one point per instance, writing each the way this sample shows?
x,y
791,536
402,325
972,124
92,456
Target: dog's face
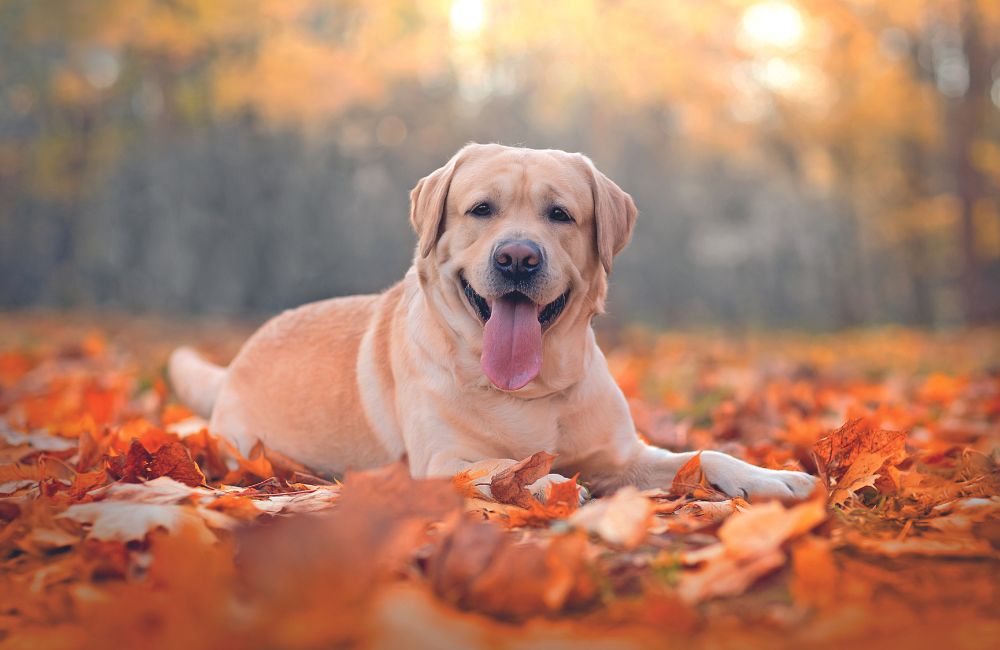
x,y
518,243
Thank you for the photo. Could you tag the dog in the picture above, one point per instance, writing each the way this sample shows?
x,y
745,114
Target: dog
x,y
482,355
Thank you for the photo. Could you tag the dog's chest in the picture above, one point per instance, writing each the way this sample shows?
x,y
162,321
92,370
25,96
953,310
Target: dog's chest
x,y
517,428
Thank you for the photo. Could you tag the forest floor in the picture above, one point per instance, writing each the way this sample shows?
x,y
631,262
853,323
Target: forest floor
x,y
124,523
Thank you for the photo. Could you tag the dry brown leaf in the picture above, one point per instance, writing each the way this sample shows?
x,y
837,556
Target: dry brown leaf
x,y
510,485
749,548
766,526
170,459
126,521
713,511
38,440
314,499
250,470
621,519
862,473
129,511
47,539
562,500
480,567
722,575
837,452
159,490
84,482
695,515
19,472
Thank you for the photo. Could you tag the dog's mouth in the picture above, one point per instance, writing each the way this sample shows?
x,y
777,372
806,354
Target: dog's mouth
x,y
479,304
512,334
546,315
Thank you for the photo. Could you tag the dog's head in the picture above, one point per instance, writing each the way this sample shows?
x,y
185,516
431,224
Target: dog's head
x,y
518,243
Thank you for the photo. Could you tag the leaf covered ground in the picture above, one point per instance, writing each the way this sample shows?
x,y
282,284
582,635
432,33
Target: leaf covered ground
x,y
125,523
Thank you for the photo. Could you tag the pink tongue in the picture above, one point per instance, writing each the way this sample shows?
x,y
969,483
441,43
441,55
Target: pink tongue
x,y
512,343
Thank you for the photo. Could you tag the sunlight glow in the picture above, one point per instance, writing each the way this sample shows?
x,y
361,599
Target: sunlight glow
x,y
467,17
779,74
773,24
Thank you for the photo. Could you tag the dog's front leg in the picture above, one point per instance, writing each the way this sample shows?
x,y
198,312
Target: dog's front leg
x,y
606,451
654,467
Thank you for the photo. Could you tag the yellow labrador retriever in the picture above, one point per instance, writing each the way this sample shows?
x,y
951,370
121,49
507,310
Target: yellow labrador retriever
x,y
482,355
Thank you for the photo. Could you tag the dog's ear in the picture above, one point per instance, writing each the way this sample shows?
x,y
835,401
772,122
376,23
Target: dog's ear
x,y
614,215
428,201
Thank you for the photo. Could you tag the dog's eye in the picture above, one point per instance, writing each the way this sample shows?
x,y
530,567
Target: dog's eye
x,y
558,214
482,210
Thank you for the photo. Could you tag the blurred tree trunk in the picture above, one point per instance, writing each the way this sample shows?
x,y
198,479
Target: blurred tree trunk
x,y
915,251
850,278
964,119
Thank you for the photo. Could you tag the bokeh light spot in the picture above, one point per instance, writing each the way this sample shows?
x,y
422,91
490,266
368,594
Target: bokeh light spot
x,y
773,24
467,17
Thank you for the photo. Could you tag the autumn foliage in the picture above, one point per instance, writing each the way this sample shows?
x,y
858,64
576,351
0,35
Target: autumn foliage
x,y
125,523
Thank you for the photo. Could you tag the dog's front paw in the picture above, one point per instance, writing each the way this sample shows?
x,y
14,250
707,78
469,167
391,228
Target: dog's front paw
x,y
540,488
738,479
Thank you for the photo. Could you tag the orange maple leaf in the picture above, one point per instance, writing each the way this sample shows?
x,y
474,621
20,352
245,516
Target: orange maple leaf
x,y
86,481
690,480
858,455
465,483
838,451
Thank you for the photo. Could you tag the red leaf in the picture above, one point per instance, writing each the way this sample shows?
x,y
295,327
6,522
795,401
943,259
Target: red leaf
x,y
171,459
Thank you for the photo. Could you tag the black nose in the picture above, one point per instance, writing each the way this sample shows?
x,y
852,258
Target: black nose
x,y
518,259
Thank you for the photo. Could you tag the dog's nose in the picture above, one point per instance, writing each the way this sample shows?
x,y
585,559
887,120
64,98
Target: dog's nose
x,y
518,259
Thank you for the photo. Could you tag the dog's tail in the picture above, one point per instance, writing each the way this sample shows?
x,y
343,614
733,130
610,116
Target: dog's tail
x,y
196,381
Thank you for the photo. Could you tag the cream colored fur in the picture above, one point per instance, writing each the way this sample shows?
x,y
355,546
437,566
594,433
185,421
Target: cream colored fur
x,y
356,382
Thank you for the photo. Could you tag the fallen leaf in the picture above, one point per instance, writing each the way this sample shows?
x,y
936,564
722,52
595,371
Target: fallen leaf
x,y
691,481
480,567
159,490
749,547
862,473
37,440
170,459
722,575
510,485
564,495
18,472
86,481
127,521
129,511
562,500
761,528
837,452
465,483
316,498
714,511
621,519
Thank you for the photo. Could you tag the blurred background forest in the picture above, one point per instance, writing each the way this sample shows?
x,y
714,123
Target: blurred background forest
x,y
817,164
